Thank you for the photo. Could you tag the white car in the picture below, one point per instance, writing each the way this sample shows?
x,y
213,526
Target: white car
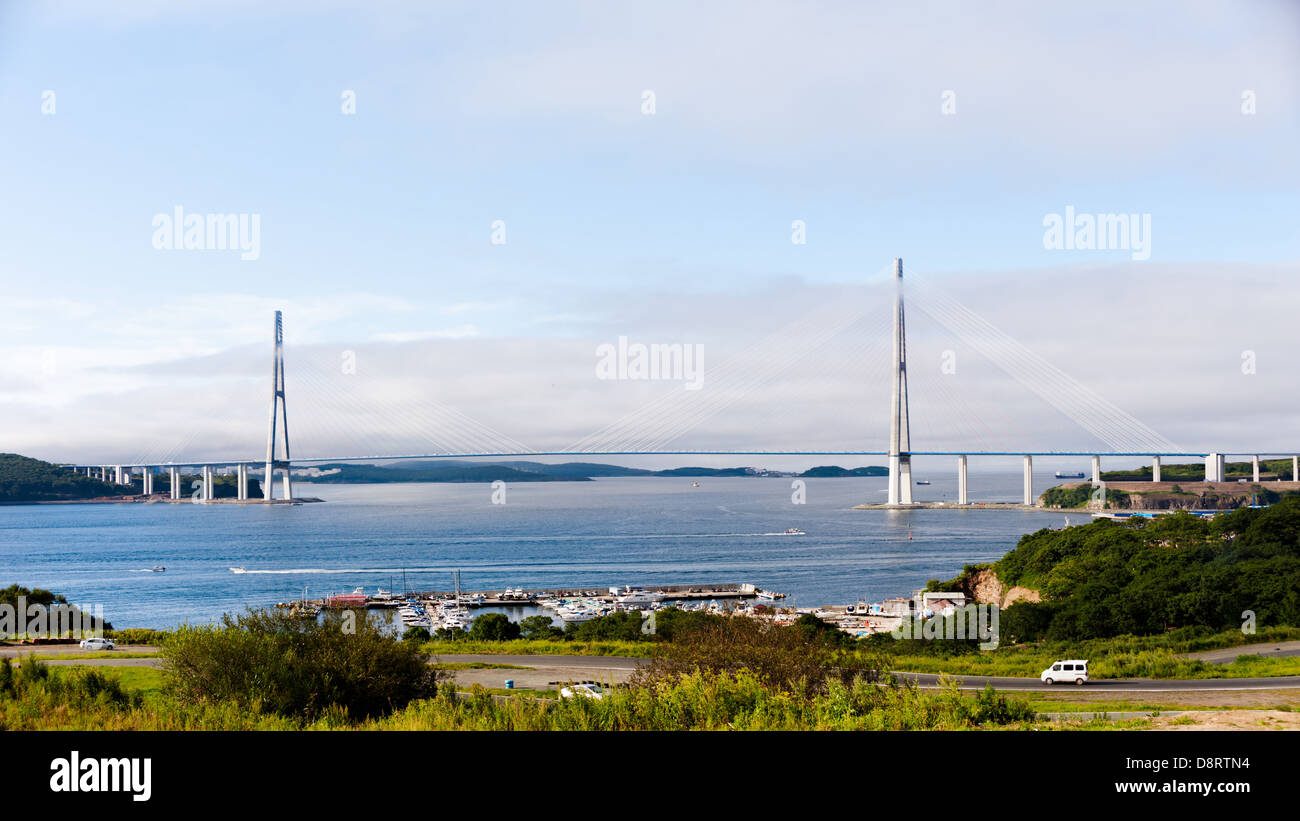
x,y
1075,670
583,691
98,644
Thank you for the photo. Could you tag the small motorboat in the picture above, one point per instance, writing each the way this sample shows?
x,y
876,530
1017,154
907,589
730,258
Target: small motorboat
x,y
158,569
793,531
238,570
923,481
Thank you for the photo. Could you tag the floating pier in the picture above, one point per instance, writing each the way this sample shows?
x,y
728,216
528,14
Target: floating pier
x,y
529,598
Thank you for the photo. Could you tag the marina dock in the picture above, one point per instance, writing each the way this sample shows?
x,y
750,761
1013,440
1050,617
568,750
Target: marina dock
x,y
529,598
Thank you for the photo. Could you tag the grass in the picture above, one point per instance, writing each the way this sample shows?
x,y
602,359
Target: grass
x,y
1120,657
72,698
1154,664
476,665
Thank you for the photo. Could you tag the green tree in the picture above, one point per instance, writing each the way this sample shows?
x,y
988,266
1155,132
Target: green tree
x,y
416,634
493,627
539,627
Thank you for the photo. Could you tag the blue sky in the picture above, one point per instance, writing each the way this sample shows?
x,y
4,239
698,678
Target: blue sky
x,y
376,226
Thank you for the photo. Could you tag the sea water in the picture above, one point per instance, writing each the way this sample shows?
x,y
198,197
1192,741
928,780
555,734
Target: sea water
x,y
595,534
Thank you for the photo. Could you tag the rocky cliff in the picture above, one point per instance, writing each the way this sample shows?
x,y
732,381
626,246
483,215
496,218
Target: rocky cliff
x,y
981,584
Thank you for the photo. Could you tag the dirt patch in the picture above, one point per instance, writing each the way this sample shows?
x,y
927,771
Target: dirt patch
x,y
1244,699
1229,720
1016,594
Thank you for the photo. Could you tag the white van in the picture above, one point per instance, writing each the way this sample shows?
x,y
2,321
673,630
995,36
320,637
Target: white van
x,y
1075,670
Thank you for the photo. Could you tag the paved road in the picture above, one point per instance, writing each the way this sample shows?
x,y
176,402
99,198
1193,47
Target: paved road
x,y
1114,685
543,670
602,668
15,650
1228,654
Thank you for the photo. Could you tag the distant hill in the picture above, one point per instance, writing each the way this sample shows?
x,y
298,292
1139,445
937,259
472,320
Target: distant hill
x,y
836,472
23,479
579,469
1195,471
350,474
705,472
461,470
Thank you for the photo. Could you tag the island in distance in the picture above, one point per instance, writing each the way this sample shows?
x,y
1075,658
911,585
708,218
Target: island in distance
x,y
24,480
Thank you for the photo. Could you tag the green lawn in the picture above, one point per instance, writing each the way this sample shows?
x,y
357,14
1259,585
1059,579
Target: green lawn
x,y
1161,664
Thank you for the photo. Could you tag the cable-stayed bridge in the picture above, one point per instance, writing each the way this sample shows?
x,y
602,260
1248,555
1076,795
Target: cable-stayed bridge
x,y
654,428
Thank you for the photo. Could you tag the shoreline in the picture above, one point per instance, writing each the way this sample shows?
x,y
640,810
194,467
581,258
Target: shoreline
x,y
153,500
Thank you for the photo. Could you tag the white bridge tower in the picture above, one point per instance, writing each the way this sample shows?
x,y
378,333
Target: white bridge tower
x,y
277,408
900,440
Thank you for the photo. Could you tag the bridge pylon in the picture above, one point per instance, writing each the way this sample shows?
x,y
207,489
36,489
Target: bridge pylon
x,y
277,409
900,440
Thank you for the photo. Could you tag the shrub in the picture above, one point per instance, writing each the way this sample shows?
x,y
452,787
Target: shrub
x,y
493,627
34,681
273,662
794,659
138,635
416,634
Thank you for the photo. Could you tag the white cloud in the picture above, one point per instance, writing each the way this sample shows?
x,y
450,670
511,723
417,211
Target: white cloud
x,y
457,332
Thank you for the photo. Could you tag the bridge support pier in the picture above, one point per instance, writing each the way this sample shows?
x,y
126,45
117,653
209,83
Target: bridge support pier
x,y
1214,467
241,492
961,480
1096,470
146,481
207,483
900,438
1029,480
117,474
1254,468
1155,468
279,410
1295,468
174,484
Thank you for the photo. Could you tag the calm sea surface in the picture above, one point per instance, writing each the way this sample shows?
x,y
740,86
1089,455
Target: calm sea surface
x,y
598,534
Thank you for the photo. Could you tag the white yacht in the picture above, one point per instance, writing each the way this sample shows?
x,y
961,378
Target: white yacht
x,y
640,597
576,614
